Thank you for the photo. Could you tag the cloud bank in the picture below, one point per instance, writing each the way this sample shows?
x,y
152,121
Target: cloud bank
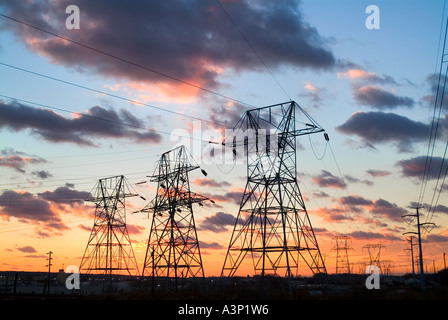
x,y
96,122
194,41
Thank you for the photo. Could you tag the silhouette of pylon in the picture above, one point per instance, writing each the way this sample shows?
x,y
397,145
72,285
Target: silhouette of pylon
x,y
273,225
341,247
374,251
173,246
109,248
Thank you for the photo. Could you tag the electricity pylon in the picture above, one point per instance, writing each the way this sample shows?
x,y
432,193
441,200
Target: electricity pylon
x,y
273,225
374,251
109,248
173,245
341,247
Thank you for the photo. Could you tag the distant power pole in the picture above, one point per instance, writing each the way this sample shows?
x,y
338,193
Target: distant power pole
x,y
49,271
418,233
374,251
341,247
411,249
444,260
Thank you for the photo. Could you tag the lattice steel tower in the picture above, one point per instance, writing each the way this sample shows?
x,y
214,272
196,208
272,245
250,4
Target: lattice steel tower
x,y
173,246
109,248
374,251
341,247
273,224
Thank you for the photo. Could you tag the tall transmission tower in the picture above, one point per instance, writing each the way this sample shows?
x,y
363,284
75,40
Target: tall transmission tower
x,y
341,247
374,251
109,248
173,245
273,225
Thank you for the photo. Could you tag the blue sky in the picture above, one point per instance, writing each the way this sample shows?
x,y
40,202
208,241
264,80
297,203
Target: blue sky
x,y
320,52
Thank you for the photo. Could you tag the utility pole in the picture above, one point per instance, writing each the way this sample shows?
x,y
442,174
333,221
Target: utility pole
x,y
444,261
49,270
419,225
411,241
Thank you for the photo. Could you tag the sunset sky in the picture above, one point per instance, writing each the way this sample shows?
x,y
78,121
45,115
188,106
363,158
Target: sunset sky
x,y
139,76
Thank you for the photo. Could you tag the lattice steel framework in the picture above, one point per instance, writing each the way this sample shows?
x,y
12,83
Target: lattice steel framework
x,y
109,248
374,251
341,247
173,246
273,224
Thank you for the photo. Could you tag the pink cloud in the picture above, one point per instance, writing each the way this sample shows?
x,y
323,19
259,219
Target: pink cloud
x,y
356,74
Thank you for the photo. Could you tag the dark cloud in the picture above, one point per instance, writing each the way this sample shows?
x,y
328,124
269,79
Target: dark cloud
x,y
28,208
321,194
97,122
211,245
364,235
436,238
27,249
17,160
351,179
189,40
379,207
378,173
218,222
355,200
367,90
327,180
380,127
234,195
379,98
441,208
387,209
42,210
415,167
42,174
65,195
211,183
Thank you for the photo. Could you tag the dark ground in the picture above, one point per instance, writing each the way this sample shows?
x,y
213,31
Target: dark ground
x,y
32,285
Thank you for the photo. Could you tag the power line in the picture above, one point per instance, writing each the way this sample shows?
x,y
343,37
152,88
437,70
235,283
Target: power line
x,y
107,93
438,104
81,114
433,204
100,118
435,120
252,48
125,60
